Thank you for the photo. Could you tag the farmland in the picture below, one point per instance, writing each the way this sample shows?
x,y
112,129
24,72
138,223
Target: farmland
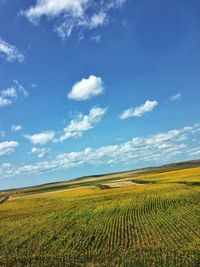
x,y
89,222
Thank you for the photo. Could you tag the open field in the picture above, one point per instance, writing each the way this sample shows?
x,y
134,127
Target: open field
x,y
83,223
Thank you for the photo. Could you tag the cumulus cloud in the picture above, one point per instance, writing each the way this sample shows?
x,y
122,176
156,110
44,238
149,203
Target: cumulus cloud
x,y
139,111
68,15
2,133
155,148
8,147
75,129
176,97
40,152
16,128
41,138
10,52
86,89
82,123
11,94
5,102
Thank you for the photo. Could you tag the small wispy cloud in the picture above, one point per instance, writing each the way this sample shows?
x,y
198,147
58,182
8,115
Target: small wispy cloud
x,y
2,133
96,38
5,102
139,111
16,127
40,152
87,89
10,52
22,92
40,138
175,97
34,85
194,151
8,147
11,94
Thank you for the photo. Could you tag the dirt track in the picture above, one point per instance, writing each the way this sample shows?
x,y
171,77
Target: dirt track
x,y
4,198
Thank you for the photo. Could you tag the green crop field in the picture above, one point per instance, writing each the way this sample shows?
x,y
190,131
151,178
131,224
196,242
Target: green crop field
x,y
155,222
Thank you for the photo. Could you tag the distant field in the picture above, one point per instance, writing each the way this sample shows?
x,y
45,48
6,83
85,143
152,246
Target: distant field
x,y
94,223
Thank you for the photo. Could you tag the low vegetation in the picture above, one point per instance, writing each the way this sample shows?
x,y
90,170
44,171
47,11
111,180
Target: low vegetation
x,y
153,224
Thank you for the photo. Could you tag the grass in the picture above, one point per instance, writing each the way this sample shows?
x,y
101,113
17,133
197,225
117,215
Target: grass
x,y
187,176
154,224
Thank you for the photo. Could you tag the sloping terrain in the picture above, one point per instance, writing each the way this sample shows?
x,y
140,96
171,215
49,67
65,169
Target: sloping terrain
x,y
153,224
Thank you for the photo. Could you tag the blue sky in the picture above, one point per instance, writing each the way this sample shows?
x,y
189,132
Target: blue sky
x,y
89,87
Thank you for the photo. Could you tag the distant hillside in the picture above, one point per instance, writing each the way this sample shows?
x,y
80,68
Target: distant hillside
x,y
94,179
162,168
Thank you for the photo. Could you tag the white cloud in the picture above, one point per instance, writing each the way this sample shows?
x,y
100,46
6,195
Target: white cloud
x,y
68,15
96,38
5,167
22,92
40,152
11,94
75,129
87,89
156,148
51,8
16,128
139,111
194,151
97,19
5,102
82,123
8,147
2,133
10,52
176,97
34,85
41,138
